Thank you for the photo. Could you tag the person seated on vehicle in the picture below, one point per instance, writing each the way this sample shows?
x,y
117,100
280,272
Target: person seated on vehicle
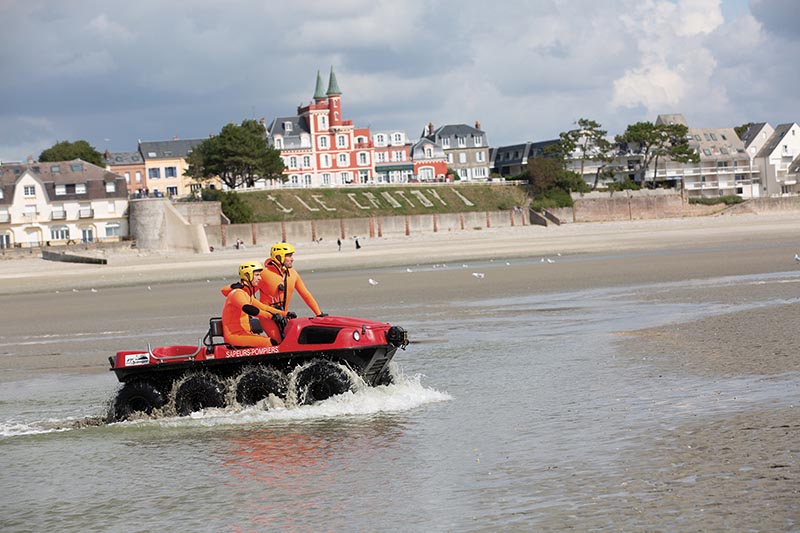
x,y
240,305
279,281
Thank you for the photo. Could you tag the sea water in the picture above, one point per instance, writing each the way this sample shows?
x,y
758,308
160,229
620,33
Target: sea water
x,y
509,413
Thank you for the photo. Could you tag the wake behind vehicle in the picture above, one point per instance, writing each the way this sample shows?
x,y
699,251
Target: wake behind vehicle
x,y
319,357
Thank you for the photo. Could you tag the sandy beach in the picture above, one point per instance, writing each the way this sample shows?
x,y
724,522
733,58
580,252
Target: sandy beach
x,y
761,341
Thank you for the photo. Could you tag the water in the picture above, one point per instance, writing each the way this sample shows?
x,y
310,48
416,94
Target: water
x,y
510,413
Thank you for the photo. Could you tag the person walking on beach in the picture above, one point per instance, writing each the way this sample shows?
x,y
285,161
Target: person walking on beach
x,y
358,246
240,305
339,244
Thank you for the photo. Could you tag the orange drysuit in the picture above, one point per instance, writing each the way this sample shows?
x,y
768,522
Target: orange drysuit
x,y
236,323
276,288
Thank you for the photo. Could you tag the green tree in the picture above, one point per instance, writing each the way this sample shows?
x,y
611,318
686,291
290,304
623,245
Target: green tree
x,y
233,206
655,141
590,143
67,151
238,156
740,130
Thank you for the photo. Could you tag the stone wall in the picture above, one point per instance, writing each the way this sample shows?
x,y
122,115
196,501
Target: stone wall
x,y
374,227
156,225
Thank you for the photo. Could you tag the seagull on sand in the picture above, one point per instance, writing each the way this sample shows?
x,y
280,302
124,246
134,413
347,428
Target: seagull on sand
x,y
372,282
796,257
478,275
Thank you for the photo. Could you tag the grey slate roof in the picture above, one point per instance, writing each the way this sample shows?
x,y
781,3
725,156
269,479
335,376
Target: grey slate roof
x,y
291,139
179,148
63,173
750,134
780,131
123,158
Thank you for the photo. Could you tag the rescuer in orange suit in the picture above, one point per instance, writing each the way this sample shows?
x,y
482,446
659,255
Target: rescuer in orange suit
x,y
279,281
240,305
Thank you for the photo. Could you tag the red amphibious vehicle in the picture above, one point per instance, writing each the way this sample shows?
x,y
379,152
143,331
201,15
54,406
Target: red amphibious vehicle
x,y
318,358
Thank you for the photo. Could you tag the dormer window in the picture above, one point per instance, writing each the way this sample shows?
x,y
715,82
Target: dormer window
x,y
80,188
398,138
287,126
478,140
55,169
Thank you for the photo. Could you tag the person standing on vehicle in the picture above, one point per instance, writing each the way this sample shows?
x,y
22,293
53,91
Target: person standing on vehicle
x,y
279,281
240,305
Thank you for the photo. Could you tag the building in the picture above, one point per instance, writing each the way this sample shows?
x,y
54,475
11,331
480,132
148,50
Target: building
x,y
165,162
775,158
513,160
48,204
392,156
466,149
319,147
129,165
430,161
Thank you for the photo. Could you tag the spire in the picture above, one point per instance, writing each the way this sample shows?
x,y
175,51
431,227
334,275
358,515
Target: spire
x,y
319,93
333,87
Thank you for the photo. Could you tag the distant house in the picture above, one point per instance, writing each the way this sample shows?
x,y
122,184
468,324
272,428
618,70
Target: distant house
x,y
430,161
466,149
129,165
44,204
392,156
775,158
318,146
165,163
513,160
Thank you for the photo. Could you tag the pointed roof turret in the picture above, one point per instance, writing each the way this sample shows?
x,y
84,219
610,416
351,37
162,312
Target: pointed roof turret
x,y
319,93
333,87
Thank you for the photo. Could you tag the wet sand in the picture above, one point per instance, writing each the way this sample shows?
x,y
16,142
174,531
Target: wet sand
x,y
705,468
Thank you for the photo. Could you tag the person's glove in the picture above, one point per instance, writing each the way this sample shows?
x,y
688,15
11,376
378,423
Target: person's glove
x,y
280,320
290,315
323,314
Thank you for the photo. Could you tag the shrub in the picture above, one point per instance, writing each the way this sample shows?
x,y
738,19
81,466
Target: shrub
x,y
730,199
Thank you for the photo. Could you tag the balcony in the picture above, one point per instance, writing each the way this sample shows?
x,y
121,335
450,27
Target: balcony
x,y
86,212
5,218
58,215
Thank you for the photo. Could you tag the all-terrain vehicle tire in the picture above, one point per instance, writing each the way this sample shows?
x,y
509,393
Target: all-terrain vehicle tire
x,y
136,397
256,383
199,391
320,380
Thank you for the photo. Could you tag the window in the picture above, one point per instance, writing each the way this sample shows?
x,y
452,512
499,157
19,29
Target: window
x,y
480,157
76,167
323,142
380,157
1,193
462,157
111,186
398,156
478,140
462,142
287,126
59,233
279,143
343,160
127,177
5,240
706,151
295,180
30,210
398,138
113,229
323,122
293,162
170,172
55,169
326,160
61,190
362,158
307,180
110,207
172,190
29,190
380,139
326,179
80,188
154,173
306,161
341,141
450,158
445,142
345,177
151,154
138,177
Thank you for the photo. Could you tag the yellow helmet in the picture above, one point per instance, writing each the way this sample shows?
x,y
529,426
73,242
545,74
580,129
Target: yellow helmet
x,y
248,269
279,251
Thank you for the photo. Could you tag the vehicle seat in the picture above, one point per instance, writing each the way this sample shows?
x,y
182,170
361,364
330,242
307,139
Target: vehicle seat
x,y
214,336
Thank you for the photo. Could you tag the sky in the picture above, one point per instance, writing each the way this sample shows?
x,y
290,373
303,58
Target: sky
x,y
115,72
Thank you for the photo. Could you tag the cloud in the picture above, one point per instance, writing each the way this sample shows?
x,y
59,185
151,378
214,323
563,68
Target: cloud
x,y
152,70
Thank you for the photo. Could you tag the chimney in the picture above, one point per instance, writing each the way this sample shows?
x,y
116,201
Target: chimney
x,y
430,128
30,159
107,154
262,121
175,138
477,124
